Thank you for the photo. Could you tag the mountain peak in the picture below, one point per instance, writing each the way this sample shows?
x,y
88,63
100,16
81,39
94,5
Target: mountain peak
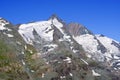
x,y
53,16
3,21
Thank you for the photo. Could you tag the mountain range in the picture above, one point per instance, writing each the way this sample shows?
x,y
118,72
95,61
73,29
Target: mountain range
x,y
55,50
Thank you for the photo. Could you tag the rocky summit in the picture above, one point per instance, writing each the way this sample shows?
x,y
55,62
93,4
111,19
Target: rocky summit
x,y
55,50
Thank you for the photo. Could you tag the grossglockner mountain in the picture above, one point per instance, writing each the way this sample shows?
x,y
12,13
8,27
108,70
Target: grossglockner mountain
x,y
55,50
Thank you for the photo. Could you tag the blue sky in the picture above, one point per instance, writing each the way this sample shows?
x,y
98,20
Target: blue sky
x,y
99,16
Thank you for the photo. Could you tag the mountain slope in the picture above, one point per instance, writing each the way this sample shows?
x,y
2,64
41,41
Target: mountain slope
x,y
54,50
97,47
11,46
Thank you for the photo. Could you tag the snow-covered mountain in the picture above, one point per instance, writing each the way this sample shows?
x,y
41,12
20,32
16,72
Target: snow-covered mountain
x,y
54,50
97,47
51,31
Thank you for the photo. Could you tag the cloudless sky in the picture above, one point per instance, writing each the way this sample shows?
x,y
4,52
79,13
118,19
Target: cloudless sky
x,y
99,16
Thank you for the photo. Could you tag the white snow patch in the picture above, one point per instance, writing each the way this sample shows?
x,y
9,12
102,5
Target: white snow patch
x,y
116,57
95,74
22,52
30,51
89,56
51,47
9,35
47,62
1,27
68,60
23,62
67,37
25,47
70,74
43,75
9,29
75,51
32,71
88,42
108,56
71,42
85,61
2,24
107,43
118,64
61,40
62,77
115,69
111,49
59,62
71,47
18,43
43,29
54,60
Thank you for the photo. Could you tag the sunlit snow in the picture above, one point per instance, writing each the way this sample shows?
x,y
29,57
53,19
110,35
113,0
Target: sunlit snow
x,y
95,73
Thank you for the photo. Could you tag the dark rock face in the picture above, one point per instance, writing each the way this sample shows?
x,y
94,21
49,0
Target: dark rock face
x,y
77,29
55,16
57,34
116,44
102,35
101,46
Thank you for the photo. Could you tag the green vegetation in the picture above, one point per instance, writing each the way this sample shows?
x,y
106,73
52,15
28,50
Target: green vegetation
x,y
35,63
10,67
